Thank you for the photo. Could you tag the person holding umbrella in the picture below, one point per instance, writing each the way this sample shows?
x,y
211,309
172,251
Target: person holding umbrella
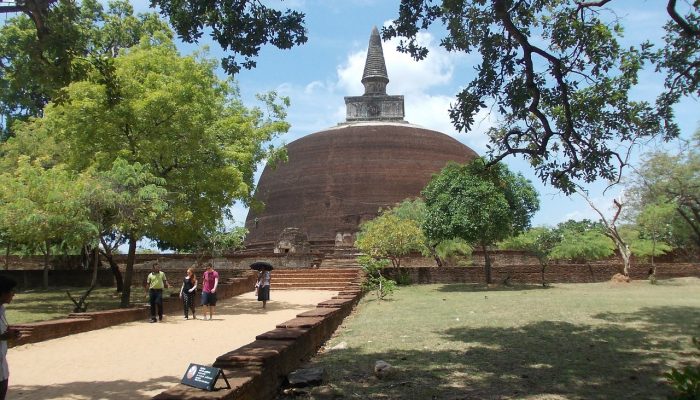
x,y
263,283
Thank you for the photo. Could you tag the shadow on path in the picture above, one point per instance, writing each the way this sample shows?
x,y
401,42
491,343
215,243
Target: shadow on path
x,y
112,390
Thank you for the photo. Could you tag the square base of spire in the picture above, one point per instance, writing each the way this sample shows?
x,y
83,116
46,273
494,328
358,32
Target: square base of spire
x,y
374,108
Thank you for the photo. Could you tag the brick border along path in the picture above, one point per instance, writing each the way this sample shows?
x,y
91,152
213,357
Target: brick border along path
x,y
138,360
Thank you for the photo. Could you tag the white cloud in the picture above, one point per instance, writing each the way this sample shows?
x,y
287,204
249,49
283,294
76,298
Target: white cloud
x,y
428,87
406,76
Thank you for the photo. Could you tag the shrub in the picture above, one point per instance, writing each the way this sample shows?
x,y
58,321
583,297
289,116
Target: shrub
x,y
404,278
685,383
374,280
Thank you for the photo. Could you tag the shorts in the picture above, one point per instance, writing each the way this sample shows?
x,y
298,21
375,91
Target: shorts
x,y
208,299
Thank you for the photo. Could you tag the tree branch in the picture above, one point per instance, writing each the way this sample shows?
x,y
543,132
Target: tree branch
x,y
688,29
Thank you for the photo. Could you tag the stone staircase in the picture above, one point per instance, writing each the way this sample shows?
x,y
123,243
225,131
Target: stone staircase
x,y
316,278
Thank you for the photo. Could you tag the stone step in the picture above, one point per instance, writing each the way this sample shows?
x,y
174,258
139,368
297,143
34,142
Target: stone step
x,y
329,288
317,273
349,273
335,288
309,284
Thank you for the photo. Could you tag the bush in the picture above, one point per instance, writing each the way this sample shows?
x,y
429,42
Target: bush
x,y
685,383
374,280
404,278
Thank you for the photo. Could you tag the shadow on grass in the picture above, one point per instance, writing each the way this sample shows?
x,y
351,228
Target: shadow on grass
x,y
40,305
113,390
480,287
679,320
547,359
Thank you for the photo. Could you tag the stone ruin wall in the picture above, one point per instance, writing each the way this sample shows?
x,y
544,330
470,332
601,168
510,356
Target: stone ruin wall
x,y
66,271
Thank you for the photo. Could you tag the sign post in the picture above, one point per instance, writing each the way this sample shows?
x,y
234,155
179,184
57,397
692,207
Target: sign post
x,y
203,377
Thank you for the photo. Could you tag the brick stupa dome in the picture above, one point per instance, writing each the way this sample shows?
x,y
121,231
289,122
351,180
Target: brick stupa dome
x,y
340,177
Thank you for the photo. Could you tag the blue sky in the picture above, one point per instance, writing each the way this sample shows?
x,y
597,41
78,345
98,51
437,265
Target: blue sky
x,y
329,66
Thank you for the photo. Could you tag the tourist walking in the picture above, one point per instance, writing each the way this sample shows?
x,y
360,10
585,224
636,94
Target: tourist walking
x,y
7,292
155,283
210,281
187,291
263,285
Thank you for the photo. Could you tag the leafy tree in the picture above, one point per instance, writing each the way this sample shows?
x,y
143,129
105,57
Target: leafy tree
x,y
138,199
389,236
557,75
40,208
479,204
174,120
612,231
414,210
218,242
666,177
239,26
540,241
653,222
84,37
582,246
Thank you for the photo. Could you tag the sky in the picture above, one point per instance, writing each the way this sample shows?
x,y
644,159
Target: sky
x,y
316,76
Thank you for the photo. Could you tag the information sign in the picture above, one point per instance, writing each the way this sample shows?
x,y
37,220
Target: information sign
x,y
203,377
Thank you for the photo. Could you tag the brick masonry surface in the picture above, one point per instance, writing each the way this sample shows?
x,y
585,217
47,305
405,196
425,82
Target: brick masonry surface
x,y
532,273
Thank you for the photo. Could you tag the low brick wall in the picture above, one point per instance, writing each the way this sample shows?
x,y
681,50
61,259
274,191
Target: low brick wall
x,y
83,322
561,273
256,370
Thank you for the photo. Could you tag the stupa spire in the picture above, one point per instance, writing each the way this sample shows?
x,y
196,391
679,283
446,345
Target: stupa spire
x,y
375,77
375,104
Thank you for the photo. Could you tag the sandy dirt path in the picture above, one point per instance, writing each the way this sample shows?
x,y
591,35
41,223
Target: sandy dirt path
x,y
139,359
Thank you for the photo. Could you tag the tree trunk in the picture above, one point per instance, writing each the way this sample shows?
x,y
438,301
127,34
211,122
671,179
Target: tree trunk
x,y
652,276
85,257
625,253
114,267
47,254
95,265
543,266
438,260
7,255
487,264
128,274
692,224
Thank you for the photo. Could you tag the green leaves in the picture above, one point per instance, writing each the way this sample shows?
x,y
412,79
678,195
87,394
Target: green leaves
x,y
175,149
39,206
390,236
685,382
583,246
239,26
665,180
557,75
81,40
478,204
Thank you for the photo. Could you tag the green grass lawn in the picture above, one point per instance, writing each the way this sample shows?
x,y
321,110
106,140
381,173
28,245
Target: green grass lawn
x,y
569,341
40,305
